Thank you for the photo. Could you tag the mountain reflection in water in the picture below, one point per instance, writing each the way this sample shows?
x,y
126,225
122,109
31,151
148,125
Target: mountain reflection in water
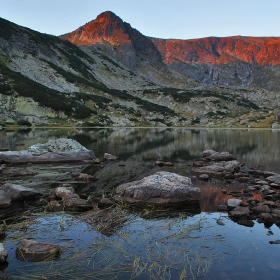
x,y
257,148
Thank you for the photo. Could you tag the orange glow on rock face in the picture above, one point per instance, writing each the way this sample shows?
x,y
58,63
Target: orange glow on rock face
x,y
106,28
213,50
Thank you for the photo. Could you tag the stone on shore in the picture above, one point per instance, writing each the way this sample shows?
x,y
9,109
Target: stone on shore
x,y
239,212
220,168
233,202
216,156
3,253
59,150
75,203
274,179
33,251
162,189
18,192
261,209
110,157
62,192
5,200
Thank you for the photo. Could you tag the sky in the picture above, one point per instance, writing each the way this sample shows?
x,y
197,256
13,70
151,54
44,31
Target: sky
x,y
179,19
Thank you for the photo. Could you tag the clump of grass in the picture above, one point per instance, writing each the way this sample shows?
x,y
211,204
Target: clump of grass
x,y
106,220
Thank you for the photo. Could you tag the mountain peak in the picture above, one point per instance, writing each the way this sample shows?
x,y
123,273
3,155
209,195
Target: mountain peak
x,y
108,15
107,27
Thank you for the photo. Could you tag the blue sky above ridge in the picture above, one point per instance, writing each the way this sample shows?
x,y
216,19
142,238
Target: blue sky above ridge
x,y
179,19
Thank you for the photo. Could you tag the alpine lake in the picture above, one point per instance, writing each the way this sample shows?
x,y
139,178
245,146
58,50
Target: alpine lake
x,y
149,243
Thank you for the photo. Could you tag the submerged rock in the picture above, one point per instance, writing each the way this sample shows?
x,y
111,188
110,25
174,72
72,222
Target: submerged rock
x,y
33,251
18,192
161,188
59,150
3,253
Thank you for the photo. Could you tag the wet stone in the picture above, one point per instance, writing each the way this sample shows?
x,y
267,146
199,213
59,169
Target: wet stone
x,y
204,177
33,251
76,204
162,189
268,174
245,222
266,217
110,157
269,192
232,203
261,209
239,211
105,202
53,206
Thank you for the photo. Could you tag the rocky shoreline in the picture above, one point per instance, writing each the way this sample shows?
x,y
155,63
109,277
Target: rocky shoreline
x,y
82,189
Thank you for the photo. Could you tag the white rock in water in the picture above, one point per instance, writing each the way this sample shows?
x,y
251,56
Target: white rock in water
x,y
58,145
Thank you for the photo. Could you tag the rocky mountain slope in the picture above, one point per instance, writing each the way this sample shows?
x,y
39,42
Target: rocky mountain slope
x,y
106,73
225,61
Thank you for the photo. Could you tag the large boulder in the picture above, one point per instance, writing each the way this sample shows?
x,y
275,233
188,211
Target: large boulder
x,y
161,188
33,251
59,150
18,192
5,200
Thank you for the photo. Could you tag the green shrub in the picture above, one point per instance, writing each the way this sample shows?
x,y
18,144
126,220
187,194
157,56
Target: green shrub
x,y
24,122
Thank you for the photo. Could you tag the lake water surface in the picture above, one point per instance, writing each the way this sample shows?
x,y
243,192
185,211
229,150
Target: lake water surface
x,y
207,245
